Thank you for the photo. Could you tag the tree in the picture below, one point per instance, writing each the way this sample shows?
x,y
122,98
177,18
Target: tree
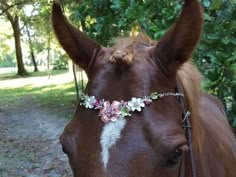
x,y
216,54
42,18
39,35
13,17
27,28
31,48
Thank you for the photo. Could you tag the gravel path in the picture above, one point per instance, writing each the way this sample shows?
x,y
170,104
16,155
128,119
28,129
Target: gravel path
x,y
29,145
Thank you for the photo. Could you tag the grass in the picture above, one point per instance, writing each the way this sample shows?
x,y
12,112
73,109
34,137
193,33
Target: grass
x,y
9,76
56,98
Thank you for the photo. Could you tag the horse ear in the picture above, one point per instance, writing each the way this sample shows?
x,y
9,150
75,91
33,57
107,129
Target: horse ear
x,y
80,48
178,44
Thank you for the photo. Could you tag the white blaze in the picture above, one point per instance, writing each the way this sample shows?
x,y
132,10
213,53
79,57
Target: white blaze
x,y
111,133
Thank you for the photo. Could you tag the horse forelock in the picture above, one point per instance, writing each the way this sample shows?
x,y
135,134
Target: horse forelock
x,y
122,43
124,49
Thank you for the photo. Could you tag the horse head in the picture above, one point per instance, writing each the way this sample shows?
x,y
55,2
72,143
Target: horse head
x,y
130,121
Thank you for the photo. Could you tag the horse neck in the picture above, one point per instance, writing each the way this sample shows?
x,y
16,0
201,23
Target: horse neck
x,y
214,144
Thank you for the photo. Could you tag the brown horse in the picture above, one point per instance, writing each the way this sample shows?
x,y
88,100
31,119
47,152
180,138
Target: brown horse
x,y
143,135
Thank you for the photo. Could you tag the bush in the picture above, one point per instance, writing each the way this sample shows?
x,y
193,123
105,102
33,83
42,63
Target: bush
x,y
61,63
7,60
216,54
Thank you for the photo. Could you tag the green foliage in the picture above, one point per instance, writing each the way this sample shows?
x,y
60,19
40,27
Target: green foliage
x,y
104,20
7,60
61,63
215,56
35,15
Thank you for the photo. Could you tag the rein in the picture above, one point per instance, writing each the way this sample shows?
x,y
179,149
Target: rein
x,y
188,133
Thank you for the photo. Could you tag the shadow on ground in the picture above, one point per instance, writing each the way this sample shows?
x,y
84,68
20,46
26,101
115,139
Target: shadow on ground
x,y
29,132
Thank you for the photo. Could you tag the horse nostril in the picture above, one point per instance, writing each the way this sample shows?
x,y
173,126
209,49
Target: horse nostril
x,y
68,141
62,140
63,149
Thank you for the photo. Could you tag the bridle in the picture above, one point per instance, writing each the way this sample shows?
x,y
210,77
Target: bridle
x,y
121,109
188,132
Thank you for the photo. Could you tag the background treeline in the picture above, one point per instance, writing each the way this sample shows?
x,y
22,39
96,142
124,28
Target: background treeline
x,y
103,20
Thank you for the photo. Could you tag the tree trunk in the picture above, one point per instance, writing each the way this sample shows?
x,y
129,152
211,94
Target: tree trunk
x,y
16,30
48,55
19,58
31,50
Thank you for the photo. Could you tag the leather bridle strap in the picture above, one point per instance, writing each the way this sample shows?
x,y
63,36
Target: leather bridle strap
x,y
182,167
188,130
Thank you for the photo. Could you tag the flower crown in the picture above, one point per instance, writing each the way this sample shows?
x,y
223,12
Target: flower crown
x,y
120,109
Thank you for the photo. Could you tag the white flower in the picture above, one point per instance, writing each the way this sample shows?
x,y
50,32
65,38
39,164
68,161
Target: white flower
x,y
136,104
89,101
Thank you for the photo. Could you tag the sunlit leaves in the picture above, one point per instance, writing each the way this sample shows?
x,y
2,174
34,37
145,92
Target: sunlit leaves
x,y
216,55
216,4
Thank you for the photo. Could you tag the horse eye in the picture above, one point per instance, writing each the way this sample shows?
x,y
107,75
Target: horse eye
x,y
175,156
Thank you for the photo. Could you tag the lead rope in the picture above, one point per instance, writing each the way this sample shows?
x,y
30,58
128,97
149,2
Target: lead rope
x,y
188,128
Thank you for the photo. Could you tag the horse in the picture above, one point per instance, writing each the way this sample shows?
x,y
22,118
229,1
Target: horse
x,y
143,113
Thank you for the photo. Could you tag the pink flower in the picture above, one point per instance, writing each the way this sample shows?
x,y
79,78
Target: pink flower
x,y
147,101
110,112
97,103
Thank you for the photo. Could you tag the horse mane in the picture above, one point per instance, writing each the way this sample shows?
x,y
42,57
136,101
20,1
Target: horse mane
x,y
214,145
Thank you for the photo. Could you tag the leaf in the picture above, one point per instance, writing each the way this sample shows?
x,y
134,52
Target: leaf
x,y
154,96
207,17
233,1
125,111
233,67
233,41
225,41
206,3
216,4
153,28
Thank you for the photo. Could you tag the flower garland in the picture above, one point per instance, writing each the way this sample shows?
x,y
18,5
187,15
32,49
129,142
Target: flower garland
x,y
120,109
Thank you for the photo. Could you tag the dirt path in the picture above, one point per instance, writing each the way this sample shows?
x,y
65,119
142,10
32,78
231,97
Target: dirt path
x,y
29,145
